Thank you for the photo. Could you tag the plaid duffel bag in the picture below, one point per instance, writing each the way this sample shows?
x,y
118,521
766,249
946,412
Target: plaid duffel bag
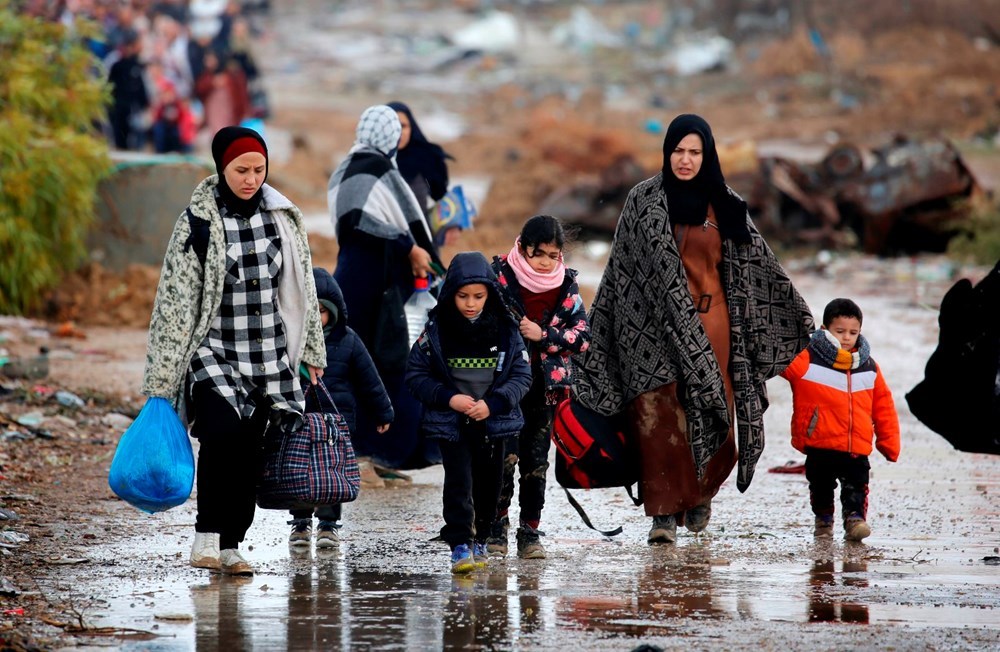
x,y
314,465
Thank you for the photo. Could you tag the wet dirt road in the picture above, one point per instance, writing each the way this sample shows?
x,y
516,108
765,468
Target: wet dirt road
x,y
756,579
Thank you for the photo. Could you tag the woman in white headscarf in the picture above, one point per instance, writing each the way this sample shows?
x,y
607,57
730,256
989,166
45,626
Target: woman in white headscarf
x,y
384,242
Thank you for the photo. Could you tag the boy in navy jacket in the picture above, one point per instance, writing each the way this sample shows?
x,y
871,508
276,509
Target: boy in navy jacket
x,y
351,377
470,370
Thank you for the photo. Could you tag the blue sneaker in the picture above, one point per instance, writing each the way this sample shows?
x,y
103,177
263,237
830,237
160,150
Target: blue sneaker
x,y
480,554
462,560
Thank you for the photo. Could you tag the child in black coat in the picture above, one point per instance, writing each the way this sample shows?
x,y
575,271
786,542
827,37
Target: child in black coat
x,y
349,375
470,370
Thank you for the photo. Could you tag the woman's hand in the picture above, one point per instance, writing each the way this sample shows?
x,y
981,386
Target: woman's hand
x,y
420,262
461,403
382,428
530,330
478,411
315,373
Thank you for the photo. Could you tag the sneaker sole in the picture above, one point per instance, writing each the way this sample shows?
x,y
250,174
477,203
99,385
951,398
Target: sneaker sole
x,y
327,543
534,554
299,543
206,562
463,567
858,533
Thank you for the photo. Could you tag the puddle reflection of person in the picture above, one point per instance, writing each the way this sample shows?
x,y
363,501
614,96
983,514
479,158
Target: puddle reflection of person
x,y
475,615
822,606
315,603
218,624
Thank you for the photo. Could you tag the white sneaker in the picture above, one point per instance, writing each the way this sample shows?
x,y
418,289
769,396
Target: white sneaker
x,y
205,551
233,563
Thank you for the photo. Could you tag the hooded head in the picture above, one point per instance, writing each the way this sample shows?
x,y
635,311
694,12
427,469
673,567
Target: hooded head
x,y
468,268
330,296
379,129
228,145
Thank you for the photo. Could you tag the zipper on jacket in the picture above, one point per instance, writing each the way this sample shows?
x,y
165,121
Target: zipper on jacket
x,y
850,415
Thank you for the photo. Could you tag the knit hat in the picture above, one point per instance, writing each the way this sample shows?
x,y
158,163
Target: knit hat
x,y
229,144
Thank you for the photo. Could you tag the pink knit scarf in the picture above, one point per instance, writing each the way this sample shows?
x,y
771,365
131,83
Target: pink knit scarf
x,y
530,279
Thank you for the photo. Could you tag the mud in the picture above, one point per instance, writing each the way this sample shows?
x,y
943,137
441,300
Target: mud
x,y
756,578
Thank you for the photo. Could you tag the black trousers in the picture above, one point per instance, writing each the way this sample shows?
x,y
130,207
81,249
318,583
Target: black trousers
x,y
473,467
824,468
529,452
229,461
323,513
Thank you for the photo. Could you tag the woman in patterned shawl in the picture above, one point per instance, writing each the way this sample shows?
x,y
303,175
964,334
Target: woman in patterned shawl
x,y
235,314
384,243
692,316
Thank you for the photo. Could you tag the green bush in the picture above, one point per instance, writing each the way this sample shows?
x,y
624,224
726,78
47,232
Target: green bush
x,y
51,155
979,237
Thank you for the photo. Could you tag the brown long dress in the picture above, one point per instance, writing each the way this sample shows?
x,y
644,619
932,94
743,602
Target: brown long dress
x,y
670,483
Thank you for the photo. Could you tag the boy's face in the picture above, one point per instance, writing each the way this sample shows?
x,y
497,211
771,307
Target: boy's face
x,y
324,315
470,299
845,329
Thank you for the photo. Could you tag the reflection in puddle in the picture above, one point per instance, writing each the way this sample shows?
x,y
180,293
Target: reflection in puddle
x,y
824,605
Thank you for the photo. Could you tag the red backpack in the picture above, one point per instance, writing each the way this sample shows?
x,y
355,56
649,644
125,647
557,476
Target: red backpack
x,y
593,451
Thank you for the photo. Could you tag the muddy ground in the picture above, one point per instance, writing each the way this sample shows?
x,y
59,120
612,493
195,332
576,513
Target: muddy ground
x,y
96,572
79,568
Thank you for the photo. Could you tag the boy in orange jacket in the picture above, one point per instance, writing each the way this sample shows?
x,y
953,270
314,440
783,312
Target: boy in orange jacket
x,y
840,402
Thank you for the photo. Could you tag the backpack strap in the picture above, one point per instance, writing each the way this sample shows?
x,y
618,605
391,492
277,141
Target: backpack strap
x,y
586,519
198,240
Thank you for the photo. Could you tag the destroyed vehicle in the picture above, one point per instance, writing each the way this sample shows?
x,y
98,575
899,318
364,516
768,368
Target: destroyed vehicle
x,y
904,197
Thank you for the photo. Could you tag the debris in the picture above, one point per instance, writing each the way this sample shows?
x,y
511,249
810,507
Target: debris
x,y
8,515
991,561
33,368
69,399
789,467
66,561
116,421
7,588
178,617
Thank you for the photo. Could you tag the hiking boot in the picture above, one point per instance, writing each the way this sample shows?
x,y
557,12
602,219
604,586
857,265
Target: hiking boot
x,y
205,551
664,530
302,532
233,563
479,554
496,543
696,519
528,544
824,526
855,528
327,535
462,560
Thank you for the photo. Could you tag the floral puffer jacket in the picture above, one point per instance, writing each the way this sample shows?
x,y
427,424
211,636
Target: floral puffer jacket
x,y
565,331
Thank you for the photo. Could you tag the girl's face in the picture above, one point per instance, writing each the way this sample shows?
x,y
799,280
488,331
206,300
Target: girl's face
x,y
544,258
324,315
404,136
245,174
845,329
685,160
470,299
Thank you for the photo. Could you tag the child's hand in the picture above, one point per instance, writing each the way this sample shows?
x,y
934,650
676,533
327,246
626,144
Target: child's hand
x,y
478,411
315,373
530,330
461,403
382,428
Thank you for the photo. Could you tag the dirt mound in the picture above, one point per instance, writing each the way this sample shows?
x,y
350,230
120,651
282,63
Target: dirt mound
x,y
96,296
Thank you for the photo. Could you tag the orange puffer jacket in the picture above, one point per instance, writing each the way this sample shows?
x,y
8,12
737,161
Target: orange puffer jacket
x,y
841,410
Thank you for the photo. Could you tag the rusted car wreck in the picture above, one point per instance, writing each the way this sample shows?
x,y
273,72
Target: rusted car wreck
x,y
902,197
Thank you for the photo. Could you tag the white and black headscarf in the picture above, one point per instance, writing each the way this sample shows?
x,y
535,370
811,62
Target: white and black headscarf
x,y
367,192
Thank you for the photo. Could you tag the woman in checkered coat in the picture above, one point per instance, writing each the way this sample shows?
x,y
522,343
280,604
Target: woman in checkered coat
x,y
235,315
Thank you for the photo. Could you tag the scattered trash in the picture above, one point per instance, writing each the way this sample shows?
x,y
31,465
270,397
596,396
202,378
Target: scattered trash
x,y
8,515
33,368
66,561
69,399
7,589
788,467
19,611
13,538
174,617
991,561
116,421
30,419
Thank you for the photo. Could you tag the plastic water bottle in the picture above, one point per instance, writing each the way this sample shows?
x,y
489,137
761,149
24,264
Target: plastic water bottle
x,y
417,307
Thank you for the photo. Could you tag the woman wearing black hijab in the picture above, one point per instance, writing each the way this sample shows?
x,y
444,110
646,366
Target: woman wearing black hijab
x,y
422,163
235,314
692,316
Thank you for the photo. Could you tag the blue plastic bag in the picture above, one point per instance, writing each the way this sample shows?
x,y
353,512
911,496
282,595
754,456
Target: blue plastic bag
x,y
153,467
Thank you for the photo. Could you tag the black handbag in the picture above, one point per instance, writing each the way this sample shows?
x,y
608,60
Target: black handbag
x,y
389,346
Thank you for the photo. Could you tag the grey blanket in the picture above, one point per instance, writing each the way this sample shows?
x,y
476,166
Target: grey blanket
x,y
646,331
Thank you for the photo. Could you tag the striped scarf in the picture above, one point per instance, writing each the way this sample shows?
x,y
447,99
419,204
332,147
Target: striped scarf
x,y
824,344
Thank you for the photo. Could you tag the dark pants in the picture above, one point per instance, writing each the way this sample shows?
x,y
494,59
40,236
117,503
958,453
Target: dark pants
x,y
323,513
824,468
529,451
473,468
228,464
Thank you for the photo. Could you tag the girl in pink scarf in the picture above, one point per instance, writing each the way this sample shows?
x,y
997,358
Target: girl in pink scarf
x,y
543,295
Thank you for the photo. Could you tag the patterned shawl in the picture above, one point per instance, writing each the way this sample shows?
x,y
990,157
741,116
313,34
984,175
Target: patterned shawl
x,y
646,331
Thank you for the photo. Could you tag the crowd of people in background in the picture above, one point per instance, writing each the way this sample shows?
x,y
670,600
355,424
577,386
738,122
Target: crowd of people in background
x,y
176,68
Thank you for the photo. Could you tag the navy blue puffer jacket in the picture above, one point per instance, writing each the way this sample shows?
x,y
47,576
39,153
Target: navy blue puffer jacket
x,y
350,374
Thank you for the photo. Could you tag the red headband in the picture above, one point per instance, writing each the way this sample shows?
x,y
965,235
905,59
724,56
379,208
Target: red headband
x,y
239,147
